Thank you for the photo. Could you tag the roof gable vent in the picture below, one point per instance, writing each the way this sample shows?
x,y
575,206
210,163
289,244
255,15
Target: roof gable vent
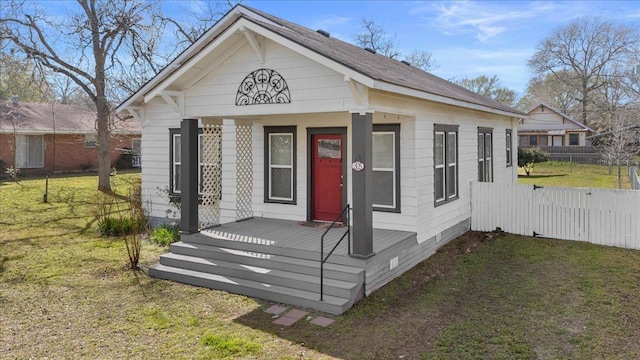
x,y
370,50
323,33
406,62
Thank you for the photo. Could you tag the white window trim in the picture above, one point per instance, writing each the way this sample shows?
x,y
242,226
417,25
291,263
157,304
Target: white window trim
x,y
273,166
453,164
177,161
392,170
442,166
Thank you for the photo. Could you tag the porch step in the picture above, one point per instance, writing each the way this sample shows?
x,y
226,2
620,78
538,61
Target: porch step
x,y
214,239
286,279
279,262
281,294
290,279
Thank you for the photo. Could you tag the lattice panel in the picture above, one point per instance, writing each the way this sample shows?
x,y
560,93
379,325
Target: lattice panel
x,y
244,172
211,175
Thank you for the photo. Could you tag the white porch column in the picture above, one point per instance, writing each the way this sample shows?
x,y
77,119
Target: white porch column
x,y
229,158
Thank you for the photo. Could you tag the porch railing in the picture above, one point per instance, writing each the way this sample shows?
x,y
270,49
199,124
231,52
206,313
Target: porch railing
x,y
345,216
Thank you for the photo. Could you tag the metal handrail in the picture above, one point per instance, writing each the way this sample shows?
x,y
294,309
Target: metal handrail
x,y
345,215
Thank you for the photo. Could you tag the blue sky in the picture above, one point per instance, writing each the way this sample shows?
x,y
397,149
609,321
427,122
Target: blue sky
x,y
466,38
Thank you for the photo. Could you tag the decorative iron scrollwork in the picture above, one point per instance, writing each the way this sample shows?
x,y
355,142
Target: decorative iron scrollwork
x,y
263,86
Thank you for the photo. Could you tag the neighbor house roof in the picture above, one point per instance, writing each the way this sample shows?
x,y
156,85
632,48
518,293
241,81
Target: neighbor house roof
x,y
387,74
563,115
44,118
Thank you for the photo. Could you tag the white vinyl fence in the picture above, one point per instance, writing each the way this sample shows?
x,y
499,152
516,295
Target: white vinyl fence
x,y
599,216
633,178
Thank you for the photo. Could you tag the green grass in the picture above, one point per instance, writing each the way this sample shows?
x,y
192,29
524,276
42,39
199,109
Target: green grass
x,y
65,292
574,175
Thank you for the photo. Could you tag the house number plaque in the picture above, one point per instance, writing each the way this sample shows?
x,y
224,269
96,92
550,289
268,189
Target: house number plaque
x,y
357,165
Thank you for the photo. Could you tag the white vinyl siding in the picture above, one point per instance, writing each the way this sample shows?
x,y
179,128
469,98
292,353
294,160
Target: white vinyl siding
x,y
29,151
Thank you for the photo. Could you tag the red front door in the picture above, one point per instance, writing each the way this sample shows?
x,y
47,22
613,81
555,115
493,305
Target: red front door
x,y
327,176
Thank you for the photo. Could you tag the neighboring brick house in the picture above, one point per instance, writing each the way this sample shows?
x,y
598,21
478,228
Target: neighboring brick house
x,y
42,138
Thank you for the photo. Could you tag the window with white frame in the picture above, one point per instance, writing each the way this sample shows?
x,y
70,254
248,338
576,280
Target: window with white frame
x,y
136,156
508,147
280,164
90,140
175,176
445,163
386,167
485,155
29,151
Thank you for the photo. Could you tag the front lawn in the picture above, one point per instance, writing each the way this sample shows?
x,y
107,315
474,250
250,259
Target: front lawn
x,y
66,293
555,173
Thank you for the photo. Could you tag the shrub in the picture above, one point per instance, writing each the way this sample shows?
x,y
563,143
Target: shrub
x,y
528,158
124,224
118,215
165,235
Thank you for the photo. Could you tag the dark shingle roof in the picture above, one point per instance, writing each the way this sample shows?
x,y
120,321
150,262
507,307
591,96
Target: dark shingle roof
x,y
375,66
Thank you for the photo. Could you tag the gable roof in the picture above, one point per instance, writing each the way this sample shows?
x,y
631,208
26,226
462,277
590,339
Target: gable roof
x,y
561,114
385,73
40,118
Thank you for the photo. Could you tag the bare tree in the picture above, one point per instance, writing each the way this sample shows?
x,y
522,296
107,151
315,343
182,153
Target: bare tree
x,y
547,89
586,49
375,38
87,46
621,144
489,87
422,60
196,18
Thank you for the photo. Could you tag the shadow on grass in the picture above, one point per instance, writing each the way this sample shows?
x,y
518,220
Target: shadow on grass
x,y
540,176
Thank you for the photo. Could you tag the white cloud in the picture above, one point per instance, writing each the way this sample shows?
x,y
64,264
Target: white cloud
x,y
330,21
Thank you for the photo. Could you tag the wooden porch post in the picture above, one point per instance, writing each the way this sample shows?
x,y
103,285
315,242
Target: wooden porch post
x,y
189,176
362,132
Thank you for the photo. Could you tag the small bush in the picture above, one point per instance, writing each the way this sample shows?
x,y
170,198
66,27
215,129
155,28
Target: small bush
x,y
120,225
166,235
528,158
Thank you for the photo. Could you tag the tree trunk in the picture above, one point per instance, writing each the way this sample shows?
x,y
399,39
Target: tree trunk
x,y
104,153
619,176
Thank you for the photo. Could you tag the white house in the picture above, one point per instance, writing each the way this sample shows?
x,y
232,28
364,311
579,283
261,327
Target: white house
x,y
548,126
266,131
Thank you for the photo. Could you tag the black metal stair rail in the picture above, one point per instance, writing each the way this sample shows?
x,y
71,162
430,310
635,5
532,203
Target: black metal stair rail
x,y
345,216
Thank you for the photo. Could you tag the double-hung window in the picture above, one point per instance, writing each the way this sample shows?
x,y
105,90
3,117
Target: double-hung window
x,y
29,151
386,167
136,152
175,174
485,155
445,163
280,164
508,147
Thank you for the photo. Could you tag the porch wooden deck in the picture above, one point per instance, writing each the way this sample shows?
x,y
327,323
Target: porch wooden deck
x,y
279,260
299,235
